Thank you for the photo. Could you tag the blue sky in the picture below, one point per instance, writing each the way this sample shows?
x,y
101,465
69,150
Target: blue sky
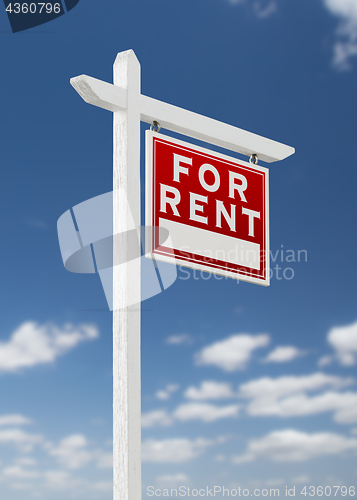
x,y
242,385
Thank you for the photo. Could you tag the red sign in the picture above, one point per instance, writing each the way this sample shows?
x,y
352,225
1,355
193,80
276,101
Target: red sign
x,y
215,207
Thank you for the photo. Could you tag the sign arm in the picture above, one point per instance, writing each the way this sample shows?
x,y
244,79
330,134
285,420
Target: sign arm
x,y
113,98
99,93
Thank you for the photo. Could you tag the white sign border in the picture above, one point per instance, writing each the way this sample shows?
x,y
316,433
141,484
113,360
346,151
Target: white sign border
x,y
149,136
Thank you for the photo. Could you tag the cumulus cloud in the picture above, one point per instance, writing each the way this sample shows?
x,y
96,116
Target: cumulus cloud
x,y
26,461
172,480
173,450
286,397
72,451
189,411
103,486
209,389
343,339
346,43
32,344
22,440
303,479
179,339
343,405
291,445
286,385
167,392
261,8
325,361
265,9
14,419
283,354
18,472
232,353
104,460
156,417
61,480
204,412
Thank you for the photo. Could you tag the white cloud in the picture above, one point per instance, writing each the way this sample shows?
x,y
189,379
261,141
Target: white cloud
x,y
104,460
342,53
72,451
283,353
155,417
344,405
32,344
172,479
286,385
18,472
195,411
274,481
61,480
173,450
209,389
236,2
294,446
343,339
263,10
346,44
14,419
301,480
232,353
22,440
286,397
20,486
26,461
325,361
103,486
165,394
346,9
204,412
179,339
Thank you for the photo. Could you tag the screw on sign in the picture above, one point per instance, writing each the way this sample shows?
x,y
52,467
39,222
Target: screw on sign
x,y
214,206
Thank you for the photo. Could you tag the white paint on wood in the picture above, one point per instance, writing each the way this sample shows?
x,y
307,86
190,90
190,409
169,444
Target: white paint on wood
x,y
212,131
101,94
126,285
183,121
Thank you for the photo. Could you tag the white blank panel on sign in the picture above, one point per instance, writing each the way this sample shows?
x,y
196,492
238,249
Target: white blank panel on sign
x,y
212,245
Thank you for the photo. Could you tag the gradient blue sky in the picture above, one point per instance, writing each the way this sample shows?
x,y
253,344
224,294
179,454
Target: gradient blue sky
x,y
270,415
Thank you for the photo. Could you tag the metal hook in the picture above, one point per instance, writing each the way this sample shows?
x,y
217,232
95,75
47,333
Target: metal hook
x,y
155,126
253,159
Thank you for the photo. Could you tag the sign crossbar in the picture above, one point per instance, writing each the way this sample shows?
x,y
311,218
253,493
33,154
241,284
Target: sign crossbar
x,y
114,98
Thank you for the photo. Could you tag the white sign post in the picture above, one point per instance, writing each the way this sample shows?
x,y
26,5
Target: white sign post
x,y
129,107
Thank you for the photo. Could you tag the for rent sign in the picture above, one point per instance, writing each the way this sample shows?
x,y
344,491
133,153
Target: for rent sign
x,y
215,208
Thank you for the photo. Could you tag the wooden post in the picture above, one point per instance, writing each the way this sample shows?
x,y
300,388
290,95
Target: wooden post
x,y
126,286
